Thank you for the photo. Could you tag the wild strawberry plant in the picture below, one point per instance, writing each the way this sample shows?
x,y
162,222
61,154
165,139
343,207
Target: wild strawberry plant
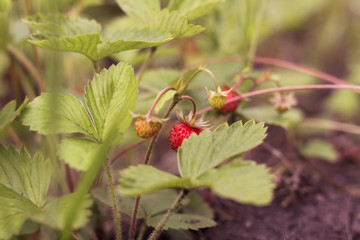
x,y
57,192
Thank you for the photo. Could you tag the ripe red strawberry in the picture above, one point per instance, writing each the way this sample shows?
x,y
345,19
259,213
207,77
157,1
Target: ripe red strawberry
x,y
179,132
229,107
145,128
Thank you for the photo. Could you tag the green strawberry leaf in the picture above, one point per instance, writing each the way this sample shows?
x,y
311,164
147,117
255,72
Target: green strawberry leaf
x,y
317,148
77,151
173,23
193,8
245,182
62,33
138,8
183,221
24,182
25,176
164,98
9,113
53,214
53,113
202,152
110,97
132,38
143,179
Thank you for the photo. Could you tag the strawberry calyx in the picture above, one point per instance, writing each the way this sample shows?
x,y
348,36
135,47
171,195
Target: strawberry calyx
x,y
217,98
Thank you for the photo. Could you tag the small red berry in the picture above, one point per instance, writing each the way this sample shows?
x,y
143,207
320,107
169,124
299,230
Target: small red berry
x,y
179,132
229,107
145,128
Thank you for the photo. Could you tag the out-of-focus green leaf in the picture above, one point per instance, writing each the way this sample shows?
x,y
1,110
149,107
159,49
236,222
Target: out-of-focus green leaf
x,y
173,23
183,221
344,102
194,8
143,179
110,97
24,182
8,113
138,8
53,213
244,182
164,98
268,114
202,152
319,149
5,5
77,151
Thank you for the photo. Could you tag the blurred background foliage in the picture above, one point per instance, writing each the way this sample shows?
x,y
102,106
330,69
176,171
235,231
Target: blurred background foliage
x,y
320,34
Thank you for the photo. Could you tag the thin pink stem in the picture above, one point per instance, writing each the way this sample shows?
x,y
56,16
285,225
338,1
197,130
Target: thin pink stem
x,y
285,89
132,146
277,63
192,101
158,99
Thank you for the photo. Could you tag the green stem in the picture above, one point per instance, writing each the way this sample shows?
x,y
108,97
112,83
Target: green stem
x,y
146,63
95,65
14,136
212,76
113,199
142,231
169,213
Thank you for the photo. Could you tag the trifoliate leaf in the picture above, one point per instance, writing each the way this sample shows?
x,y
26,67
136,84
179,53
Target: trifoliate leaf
x,y
317,148
173,23
194,8
8,113
183,221
24,182
244,182
138,8
110,97
53,213
56,113
202,152
143,179
77,152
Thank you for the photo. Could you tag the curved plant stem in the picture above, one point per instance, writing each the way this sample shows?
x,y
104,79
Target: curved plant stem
x,y
237,84
146,161
158,99
285,89
132,146
19,56
170,212
183,87
113,199
14,136
146,63
211,75
142,231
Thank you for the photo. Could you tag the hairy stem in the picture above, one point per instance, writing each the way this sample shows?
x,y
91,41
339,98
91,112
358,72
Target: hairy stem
x,y
20,57
113,199
170,212
146,161
146,63
158,99
142,231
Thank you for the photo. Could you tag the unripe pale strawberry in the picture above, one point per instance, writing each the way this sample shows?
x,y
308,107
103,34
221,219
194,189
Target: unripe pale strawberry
x,y
145,128
217,101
